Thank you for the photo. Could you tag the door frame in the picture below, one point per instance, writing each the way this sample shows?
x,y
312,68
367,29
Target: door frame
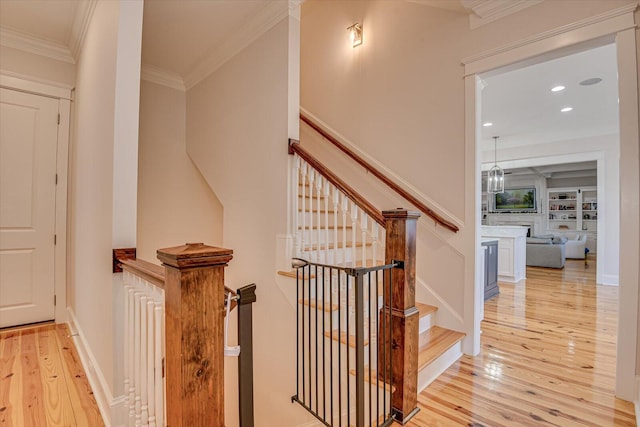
x,y
22,83
617,25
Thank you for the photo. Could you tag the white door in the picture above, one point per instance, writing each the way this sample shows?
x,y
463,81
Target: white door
x,y
28,146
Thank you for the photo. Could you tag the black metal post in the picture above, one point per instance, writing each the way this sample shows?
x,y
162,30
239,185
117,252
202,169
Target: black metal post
x,y
247,296
359,348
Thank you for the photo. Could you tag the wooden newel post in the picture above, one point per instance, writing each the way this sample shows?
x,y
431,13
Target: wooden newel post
x,y
194,334
400,228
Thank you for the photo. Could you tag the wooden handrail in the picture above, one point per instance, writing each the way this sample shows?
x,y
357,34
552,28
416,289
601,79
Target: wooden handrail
x,y
353,195
154,274
150,272
382,177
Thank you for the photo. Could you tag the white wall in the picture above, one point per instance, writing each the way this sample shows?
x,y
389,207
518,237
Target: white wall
x,y
105,124
237,132
175,204
400,98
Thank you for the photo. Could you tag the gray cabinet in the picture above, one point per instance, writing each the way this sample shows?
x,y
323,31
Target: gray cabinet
x,y
491,269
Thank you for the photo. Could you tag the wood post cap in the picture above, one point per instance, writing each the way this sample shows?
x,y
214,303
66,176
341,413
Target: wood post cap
x,y
401,213
194,255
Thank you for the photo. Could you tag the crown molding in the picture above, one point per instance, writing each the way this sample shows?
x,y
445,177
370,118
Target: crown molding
x,y
161,77
486,11
242,37
450,5
616,20
28,43
84,12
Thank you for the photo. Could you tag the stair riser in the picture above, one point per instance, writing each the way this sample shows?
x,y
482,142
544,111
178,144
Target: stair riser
x,y
424,325
432,371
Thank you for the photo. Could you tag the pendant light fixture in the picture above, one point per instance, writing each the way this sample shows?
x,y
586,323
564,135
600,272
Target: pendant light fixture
x,y
495,177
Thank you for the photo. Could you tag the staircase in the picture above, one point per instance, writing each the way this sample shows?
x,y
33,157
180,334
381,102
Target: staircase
x,y
336,229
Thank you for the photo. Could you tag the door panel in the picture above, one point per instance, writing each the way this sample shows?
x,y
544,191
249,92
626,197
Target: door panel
x,y
28,145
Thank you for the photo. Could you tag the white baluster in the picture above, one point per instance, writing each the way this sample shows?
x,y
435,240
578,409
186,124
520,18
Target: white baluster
x,y
158,353
374,240
303,213
137,368
345,207
296,188
144,333
131,363
319,181
312,235
336,251
127,327
363,228
354,220
325,193
151,401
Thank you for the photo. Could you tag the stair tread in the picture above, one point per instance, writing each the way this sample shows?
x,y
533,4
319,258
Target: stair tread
x,y
325,307
343,337
321,246
311,196
425,309
315,210
438,340
330,227
369,263
293,274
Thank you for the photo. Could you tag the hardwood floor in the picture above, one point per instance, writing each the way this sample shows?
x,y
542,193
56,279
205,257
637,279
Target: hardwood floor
x,y
548,358
42,382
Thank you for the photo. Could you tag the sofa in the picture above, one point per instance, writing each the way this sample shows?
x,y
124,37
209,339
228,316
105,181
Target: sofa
x,y
545,251
574,247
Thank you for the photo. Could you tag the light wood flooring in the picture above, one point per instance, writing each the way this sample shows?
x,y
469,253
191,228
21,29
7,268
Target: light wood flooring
x,y
547,359
42,382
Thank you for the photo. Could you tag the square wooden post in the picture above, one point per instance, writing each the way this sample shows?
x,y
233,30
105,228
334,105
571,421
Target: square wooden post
x,y
194,334
400,225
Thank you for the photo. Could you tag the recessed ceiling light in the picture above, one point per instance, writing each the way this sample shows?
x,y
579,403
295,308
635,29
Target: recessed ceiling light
x,y
557,88
591,81
487,124
566,109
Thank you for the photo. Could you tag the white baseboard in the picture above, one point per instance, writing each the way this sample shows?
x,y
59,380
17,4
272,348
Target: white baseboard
x,y
112,410
609,279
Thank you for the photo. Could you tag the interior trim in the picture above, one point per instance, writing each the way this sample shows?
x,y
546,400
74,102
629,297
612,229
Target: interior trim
x,y
593,27
24,83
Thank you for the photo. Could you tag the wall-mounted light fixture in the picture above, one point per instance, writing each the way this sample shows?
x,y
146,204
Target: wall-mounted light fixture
x,y
356,34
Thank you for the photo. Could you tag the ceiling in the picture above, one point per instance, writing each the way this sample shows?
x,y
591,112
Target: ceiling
x,y
524,111
558,171
50,20
182,40
185,40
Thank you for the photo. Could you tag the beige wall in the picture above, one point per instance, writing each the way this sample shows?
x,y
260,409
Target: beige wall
x,y
36,66
400,98
105,93
400,95
91,185
175,204
237,130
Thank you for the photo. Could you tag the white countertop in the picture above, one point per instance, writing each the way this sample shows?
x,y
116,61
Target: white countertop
x,y
503,231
